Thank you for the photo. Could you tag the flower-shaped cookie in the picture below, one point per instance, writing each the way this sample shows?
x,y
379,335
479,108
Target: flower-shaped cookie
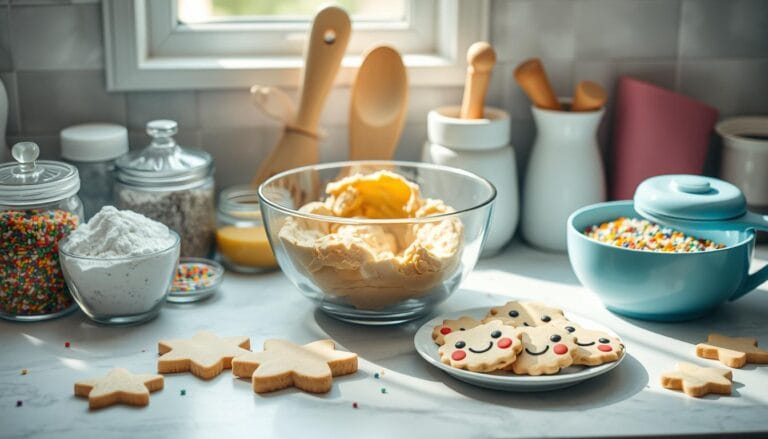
x,y
484,348
546,350
524,313
593,348
461,324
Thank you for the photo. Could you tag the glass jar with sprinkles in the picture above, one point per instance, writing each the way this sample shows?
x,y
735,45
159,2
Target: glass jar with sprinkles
x,y
241,240
39,206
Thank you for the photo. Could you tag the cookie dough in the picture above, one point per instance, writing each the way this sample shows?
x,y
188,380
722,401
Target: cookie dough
x,y
374,266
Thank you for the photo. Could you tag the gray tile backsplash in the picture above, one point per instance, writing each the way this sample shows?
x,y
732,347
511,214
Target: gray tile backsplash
x,y
716,51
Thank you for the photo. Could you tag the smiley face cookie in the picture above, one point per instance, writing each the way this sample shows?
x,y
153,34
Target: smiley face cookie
x,y
449,326
593,348
524,313
484,348
546,350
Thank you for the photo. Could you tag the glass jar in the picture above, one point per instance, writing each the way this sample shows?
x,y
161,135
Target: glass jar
x,y
172,185
39,207
241,240
92,148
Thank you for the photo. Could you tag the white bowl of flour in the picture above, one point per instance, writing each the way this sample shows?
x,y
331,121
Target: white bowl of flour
x,y
120,265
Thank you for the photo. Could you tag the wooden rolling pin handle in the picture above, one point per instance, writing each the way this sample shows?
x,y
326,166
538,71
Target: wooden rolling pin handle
x,y
480,61
532,78
588,96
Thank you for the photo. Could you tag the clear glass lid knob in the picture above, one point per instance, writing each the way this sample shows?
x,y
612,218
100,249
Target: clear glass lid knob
x,y
26,154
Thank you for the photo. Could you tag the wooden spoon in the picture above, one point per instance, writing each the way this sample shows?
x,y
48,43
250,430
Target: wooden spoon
x,y
378,105
480,60
298,146
532,78
275,102
588,96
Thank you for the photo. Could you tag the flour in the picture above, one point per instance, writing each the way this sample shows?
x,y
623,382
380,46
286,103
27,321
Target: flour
x,y
113,233
120,265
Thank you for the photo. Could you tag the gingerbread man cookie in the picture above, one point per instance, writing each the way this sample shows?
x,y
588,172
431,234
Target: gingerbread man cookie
x,y
698,381
461,324
118,386
484,348
593,348
284,364
546,350
732,351
205,354
524,313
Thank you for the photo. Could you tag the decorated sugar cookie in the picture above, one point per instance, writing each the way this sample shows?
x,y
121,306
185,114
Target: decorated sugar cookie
x,y
461,324
484,348
524,313
546,350
593,348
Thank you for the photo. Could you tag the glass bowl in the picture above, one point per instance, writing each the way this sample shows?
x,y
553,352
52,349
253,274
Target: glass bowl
x,y
121,291
328,259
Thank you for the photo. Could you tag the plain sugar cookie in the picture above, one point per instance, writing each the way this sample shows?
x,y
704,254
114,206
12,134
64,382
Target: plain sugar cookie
x,y
732,351
698,381
118,386
205,354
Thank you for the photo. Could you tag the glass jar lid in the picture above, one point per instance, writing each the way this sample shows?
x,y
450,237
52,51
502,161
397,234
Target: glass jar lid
x,y
29,181
163,162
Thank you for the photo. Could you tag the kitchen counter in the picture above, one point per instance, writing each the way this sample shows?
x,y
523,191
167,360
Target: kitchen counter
x,y
420,400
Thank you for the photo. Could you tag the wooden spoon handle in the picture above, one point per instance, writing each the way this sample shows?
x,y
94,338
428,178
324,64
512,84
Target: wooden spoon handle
x,y
588,96
327,43
480,60
532,78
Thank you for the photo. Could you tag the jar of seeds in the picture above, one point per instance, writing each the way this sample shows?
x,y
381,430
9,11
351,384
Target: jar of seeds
x,y
172,185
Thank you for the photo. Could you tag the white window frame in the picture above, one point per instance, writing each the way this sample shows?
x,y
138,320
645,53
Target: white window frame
x,y
146,49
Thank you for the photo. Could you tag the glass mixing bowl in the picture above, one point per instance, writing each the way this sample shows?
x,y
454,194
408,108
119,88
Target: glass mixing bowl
x,y
328,259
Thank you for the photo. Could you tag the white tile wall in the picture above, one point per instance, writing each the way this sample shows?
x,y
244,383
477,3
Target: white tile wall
x,y
51,60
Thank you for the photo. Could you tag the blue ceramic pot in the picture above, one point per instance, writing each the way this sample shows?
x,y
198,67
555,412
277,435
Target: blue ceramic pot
x,y
660,286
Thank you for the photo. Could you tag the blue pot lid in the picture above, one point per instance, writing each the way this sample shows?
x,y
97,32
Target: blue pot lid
x,y
690,197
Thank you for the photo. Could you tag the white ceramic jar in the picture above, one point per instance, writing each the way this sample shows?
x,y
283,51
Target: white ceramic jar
x,y
565,172
480,146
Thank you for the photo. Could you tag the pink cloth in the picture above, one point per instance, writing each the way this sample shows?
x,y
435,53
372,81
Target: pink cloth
x,y
656,132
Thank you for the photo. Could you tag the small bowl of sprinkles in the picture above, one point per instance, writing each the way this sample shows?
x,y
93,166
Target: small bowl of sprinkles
x,y
641,234
195,280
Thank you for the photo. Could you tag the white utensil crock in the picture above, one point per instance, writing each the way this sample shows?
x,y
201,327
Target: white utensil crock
x,y
565,172
480,146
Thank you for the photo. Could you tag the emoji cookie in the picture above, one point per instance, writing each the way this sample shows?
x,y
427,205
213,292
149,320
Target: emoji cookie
x,y
731,351
524,313
461,324
205,354
284,364
484,348
698,381
593,348
118,386
546,350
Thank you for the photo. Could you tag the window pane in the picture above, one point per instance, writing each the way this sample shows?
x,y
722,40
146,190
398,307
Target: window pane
x,y
201,11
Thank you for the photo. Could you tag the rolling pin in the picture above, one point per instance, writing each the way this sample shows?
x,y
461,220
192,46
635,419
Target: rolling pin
x,y
588,96
532,78
480,60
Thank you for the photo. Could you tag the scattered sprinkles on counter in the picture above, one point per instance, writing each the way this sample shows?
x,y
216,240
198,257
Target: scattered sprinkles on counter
x,y
24,371
383,390
354,405
19,403
183,392
67,344
29,261
193,276
376,375
640,234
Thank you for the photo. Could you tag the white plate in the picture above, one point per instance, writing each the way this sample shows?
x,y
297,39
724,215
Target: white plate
x,y
501,380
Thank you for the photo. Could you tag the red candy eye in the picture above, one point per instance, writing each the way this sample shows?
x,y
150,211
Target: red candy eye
x,y
605,348
504,343
458,355
560,349
445,330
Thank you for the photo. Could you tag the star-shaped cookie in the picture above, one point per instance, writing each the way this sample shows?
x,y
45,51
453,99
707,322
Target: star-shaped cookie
x,y
284,364
118,386
205,354
731,351
698,381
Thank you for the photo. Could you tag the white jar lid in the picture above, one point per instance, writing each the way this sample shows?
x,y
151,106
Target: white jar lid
x,y
93,142
444,127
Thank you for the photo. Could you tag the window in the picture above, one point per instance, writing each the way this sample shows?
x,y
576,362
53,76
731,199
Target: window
x,y
176,44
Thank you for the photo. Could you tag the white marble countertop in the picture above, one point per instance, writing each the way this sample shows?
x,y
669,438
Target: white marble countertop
x,y
420,400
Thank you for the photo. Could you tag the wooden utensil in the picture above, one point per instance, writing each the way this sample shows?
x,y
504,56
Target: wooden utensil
x,y
480,60
588,96
275,102
532,78
327,43
378,105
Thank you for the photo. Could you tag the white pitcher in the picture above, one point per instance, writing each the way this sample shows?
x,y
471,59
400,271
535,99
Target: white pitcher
x,y
565,172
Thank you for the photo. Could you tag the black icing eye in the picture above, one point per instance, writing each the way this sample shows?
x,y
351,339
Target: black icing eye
x,y
570,329
526,324
514,313
555,338
460,344
496,334
546,319
603,340
461,329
